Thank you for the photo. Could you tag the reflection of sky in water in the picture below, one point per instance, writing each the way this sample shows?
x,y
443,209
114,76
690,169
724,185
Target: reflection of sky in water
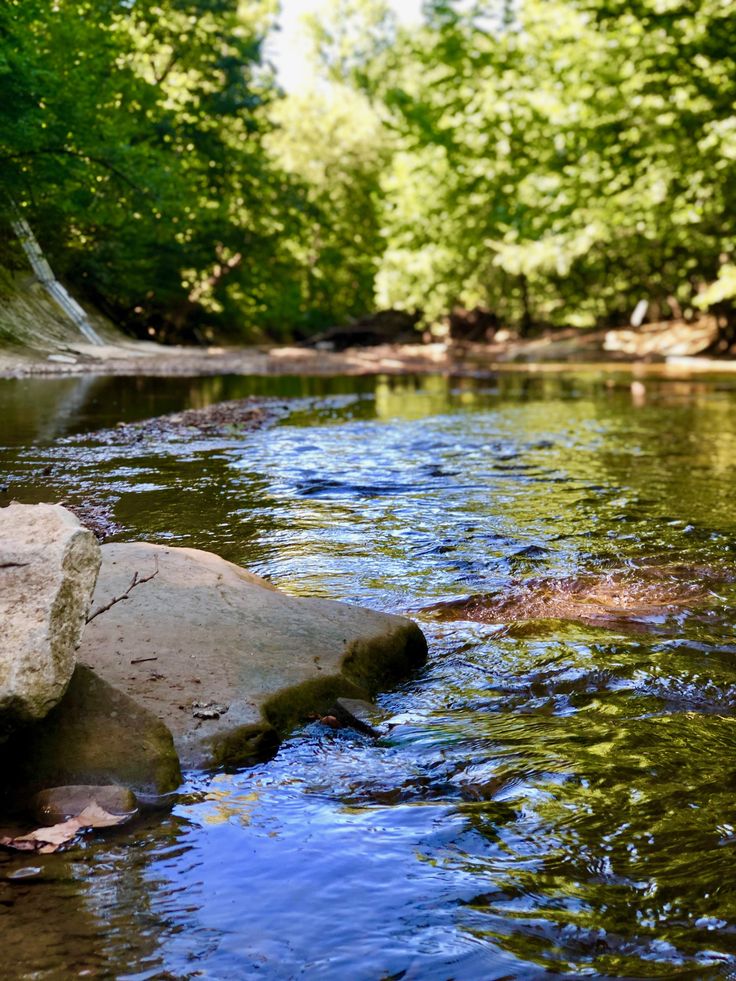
x,y
332,899
559,798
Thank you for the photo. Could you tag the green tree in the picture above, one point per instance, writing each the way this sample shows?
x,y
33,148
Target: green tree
x,y
558,161
135,144
333,144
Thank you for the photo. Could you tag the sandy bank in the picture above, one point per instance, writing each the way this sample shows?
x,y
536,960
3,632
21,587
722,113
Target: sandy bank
x,y
671,348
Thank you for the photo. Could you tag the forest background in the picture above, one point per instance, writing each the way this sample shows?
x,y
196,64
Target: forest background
x,y
549,162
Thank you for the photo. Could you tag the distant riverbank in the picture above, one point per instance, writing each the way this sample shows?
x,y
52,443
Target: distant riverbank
x,y
612,350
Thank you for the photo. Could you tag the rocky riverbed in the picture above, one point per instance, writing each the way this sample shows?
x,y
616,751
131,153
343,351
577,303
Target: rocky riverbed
x,y
171,657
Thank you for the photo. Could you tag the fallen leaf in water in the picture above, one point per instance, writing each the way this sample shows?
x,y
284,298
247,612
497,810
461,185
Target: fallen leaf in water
x,y
45,840
19,844
48,840
57,834
94,816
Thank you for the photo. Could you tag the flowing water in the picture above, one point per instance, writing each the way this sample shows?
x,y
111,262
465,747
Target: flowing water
x,y
556,796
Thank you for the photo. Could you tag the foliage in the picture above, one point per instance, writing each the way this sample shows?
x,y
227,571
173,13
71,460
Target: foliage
x,y
560,160
333,143
553,161
133,136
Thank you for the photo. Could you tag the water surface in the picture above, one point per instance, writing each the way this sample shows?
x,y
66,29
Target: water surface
x,y
556,797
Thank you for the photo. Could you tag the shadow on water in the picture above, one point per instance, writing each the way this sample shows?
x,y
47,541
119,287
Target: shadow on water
x,y
553,795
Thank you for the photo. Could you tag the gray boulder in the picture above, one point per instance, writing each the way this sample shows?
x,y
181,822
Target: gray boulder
x,y
225,660
48,568
95,735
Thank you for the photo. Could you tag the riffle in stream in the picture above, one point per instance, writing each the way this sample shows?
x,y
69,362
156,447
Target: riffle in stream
x,y
556,794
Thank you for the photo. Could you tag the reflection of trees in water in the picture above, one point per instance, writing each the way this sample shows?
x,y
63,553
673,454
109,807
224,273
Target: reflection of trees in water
x,y
196,500
592,769
91,909
38,410
673,460
603,836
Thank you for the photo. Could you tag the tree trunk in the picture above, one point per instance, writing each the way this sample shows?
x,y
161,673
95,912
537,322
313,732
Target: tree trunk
x,y
526,318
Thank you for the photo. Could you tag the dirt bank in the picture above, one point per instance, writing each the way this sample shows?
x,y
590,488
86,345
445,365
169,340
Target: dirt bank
x,y
131,358
673,348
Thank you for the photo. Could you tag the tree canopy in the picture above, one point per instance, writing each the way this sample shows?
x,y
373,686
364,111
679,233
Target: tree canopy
x,y
551,161
559,160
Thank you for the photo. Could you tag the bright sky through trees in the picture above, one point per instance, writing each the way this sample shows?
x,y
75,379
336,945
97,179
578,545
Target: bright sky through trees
x,y
289,47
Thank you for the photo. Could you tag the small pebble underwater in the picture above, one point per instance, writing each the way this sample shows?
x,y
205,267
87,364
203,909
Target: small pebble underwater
x,y
555,793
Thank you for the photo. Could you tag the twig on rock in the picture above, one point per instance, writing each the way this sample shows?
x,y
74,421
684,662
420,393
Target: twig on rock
x,y
135,581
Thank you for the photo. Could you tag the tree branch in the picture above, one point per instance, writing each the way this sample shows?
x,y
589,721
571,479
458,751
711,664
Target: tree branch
x,y
174,57
135,581
66,152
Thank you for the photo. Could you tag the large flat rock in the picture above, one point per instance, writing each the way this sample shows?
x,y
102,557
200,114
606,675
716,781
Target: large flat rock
x,y
225,660
48,568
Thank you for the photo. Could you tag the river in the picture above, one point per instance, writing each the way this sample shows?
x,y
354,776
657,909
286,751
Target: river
x,y
556,796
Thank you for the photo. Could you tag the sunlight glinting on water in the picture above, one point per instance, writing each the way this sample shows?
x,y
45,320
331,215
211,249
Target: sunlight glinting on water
x,y
552,793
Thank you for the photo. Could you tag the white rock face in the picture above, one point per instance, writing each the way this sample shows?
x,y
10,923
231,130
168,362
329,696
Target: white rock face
x,y
48,569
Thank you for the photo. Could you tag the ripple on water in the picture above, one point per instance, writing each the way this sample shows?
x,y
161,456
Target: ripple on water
x,y
553,794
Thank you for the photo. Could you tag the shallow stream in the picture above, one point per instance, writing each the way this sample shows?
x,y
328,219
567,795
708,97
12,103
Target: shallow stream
x,y
556,796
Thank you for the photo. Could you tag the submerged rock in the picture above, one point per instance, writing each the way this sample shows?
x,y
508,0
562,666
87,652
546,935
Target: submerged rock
x,y
56,804
220,419
619,598
225,660
48,568
358,714
95,735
